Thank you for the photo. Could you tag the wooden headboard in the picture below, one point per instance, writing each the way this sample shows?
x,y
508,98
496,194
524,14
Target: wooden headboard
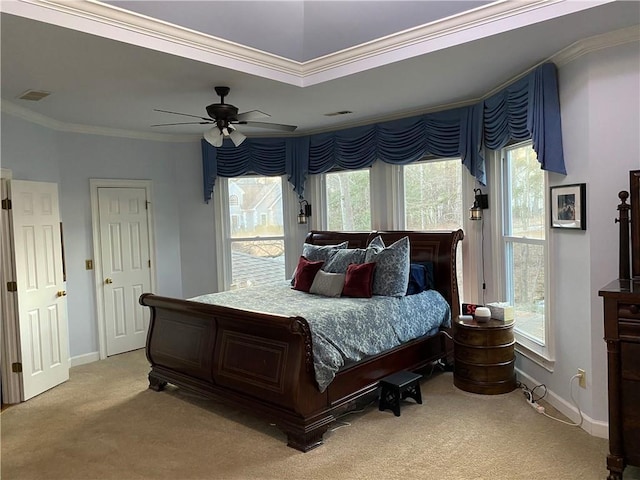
x,y
437,247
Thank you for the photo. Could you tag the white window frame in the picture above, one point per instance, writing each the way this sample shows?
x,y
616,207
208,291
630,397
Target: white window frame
x,y
470,245
542,354
223,229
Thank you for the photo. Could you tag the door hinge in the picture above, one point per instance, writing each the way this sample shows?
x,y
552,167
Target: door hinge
x,y
146,205
6,204
16,367
149,263
12,287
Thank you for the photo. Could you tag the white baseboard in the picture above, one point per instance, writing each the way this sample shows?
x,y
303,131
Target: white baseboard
x,y
85,358
597,428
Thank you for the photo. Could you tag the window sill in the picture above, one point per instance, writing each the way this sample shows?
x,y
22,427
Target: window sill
x,y
536,357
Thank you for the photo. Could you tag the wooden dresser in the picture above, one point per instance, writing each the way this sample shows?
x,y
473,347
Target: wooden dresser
x,y
622,334
484,356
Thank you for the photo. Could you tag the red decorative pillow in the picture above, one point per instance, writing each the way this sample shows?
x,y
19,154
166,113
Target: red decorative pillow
x,y
305,273
359,280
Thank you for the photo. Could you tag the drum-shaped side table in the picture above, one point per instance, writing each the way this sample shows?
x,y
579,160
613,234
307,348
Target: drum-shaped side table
x,y
484,356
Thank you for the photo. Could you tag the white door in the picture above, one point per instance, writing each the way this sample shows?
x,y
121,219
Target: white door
x,y
126,266
42,303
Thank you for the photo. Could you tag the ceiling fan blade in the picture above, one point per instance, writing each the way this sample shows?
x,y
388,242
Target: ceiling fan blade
x,y
252,115
185,114
183,123
272,126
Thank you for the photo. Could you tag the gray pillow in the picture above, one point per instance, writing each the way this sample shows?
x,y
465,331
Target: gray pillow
x,y
341,260
328,284
377,243
391,275
315,253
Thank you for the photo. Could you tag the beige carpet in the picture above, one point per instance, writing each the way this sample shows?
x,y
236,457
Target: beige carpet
x,y
104,423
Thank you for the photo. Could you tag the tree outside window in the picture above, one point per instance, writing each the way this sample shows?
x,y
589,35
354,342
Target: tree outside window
x,y
348,200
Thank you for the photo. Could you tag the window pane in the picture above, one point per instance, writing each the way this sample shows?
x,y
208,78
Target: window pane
x,y
256,262
255,207
348,200
433,195
527,288
433,200
526,194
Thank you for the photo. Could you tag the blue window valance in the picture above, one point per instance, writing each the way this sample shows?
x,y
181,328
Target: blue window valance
x,y
527,109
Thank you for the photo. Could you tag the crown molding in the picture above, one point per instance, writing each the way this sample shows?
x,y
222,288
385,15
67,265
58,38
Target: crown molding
x,y
569,54
426,38
11,108
579,49
94,17
595,43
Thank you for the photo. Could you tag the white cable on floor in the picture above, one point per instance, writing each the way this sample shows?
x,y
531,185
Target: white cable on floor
x,y
572,424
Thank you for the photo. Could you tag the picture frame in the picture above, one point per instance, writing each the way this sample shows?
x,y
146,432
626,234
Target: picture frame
x,y
569,206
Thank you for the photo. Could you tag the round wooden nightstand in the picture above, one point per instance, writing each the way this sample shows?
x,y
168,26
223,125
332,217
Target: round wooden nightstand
x,y
484,356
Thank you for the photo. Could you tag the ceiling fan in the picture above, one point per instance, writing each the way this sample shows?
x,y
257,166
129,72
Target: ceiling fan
x,y
224,116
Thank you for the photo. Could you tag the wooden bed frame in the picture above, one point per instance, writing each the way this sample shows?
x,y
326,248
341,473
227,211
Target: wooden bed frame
x,y
263,363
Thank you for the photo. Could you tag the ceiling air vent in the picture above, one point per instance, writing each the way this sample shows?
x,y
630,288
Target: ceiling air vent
x,y
34,95
341,112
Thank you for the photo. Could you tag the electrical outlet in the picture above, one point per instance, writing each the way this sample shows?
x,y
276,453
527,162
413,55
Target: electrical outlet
x,y
582,378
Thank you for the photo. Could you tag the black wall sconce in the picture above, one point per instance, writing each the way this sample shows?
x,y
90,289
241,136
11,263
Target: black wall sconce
x,y
480,203
305,212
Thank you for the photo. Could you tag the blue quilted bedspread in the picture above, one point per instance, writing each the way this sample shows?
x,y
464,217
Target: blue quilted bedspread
x,y
344,330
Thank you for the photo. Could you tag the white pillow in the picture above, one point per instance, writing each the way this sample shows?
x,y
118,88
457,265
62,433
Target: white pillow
x,y
328,284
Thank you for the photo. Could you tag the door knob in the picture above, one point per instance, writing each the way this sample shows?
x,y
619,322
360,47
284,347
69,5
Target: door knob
x,y
61,293
108,280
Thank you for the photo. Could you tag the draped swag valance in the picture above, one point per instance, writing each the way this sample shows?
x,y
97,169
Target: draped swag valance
x,y
527,109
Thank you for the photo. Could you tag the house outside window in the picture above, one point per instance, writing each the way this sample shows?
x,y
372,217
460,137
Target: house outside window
x,y
256,231
524,246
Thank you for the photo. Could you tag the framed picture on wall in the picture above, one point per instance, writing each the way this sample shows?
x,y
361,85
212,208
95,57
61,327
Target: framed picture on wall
x,y
569,206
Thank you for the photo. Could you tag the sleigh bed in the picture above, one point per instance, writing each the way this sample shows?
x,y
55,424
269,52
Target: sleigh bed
x,y
264,362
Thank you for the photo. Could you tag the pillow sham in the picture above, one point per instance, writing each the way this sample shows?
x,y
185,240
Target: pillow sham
x,y
341,259
377,243
358,280
391,276
316,253
305,273
321,252
327,284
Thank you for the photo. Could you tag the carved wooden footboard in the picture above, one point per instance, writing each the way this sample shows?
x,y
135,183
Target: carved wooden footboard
x,y
264,363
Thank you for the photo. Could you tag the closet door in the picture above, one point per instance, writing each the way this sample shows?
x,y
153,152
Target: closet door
x,y
41,289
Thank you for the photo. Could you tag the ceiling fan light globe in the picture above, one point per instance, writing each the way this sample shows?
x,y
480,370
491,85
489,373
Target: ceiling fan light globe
x,y
214,137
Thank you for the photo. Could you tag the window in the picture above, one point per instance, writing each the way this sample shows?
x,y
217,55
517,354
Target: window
x,y
256,236
348,200
433,195
524,245
433,200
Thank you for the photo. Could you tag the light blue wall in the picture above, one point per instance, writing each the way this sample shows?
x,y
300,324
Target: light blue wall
x,y
33,152
599,99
